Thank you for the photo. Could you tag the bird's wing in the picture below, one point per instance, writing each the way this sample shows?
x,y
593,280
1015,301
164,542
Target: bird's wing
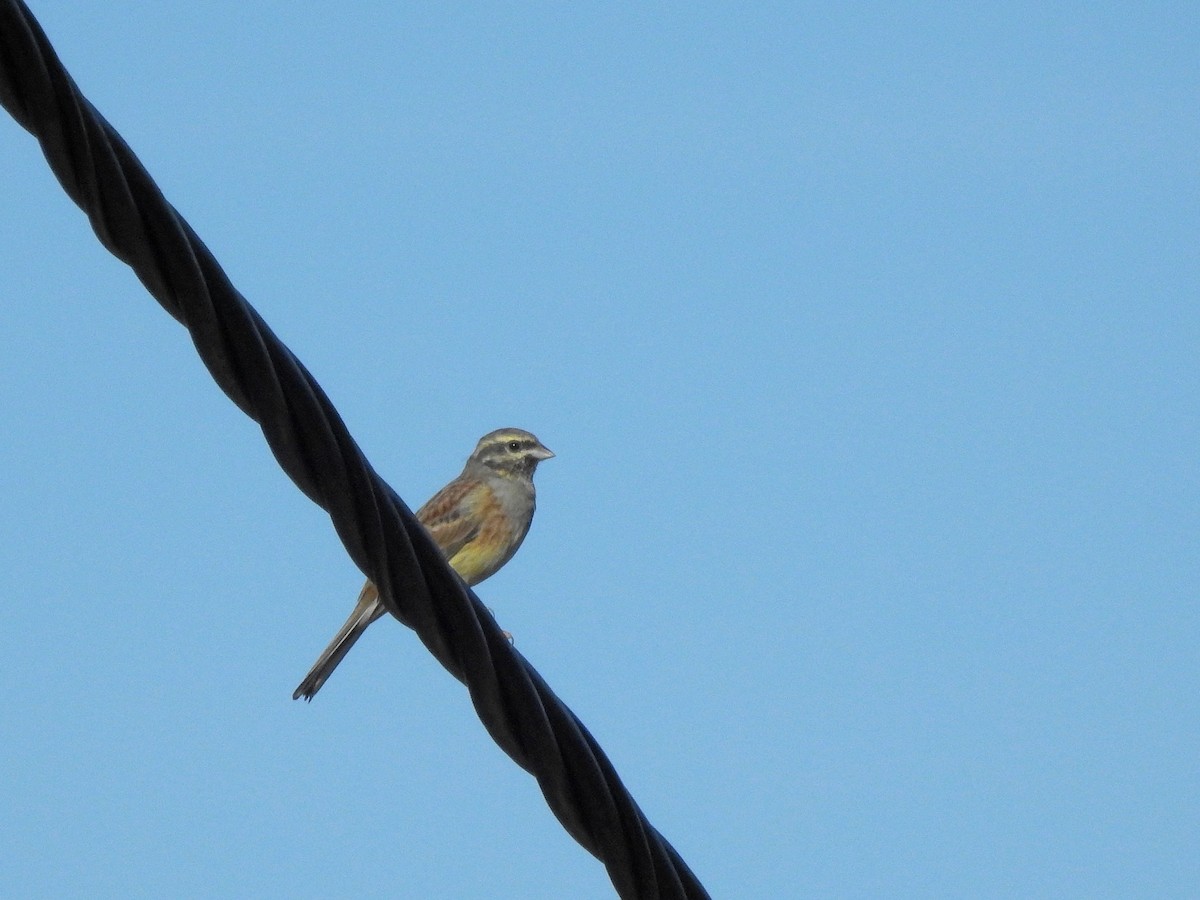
x,y
451,516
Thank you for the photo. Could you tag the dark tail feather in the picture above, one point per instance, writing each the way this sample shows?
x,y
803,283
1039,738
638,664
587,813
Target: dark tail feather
x,y
366,611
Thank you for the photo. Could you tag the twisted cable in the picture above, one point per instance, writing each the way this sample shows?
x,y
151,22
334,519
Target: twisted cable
x,y
309,440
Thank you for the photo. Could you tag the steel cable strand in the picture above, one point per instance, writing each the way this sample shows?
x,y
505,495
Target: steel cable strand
x,y
305,433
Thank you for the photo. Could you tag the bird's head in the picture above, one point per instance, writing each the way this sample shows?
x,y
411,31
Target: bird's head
x,y
510,451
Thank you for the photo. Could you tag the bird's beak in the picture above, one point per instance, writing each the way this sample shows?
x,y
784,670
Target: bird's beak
x,y
539,453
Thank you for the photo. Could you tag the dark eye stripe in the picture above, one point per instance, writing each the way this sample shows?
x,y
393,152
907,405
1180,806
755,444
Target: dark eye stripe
x,y
506,447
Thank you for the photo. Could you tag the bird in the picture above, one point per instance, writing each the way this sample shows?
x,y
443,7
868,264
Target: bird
x,y
478,521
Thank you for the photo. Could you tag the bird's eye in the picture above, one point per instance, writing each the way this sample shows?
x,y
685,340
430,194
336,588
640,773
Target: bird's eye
x,y
514,446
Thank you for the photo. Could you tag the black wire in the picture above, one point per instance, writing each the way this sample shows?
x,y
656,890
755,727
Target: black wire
x,y
253,367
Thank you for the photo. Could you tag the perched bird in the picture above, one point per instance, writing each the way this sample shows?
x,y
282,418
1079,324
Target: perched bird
x,y
478,520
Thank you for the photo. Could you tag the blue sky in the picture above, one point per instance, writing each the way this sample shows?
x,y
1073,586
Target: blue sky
x,y
866,337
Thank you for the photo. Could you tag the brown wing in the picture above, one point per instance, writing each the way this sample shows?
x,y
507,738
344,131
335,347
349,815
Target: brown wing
x,y
448,516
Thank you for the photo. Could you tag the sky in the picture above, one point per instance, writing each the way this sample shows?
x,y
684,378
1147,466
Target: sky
x,y
867,339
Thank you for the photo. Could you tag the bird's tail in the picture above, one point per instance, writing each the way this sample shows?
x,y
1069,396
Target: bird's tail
x,y
366,610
